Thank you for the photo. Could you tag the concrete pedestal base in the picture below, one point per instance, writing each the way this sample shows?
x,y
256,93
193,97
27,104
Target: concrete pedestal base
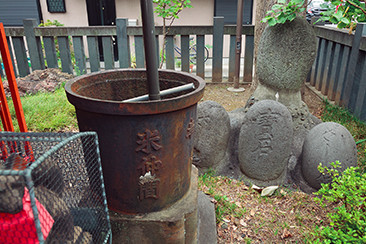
x,y
176,224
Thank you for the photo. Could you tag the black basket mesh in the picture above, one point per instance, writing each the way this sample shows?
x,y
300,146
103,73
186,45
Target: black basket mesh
x,y
51,189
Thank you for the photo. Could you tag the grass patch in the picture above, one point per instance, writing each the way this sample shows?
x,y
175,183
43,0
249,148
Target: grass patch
x,y
356,127
46,112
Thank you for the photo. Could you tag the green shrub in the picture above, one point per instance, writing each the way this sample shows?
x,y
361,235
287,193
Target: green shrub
x,y
348,193
284,11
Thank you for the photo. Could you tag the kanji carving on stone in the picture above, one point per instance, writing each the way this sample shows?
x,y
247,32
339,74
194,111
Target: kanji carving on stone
x,y
265,136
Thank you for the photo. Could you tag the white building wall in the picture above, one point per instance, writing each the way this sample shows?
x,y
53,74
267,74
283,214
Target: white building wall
x,y
76,14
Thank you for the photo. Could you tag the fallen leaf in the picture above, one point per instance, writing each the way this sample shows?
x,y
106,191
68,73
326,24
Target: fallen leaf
x,y
242,222
252,212
286,234
283,193
213,201
268,191
257,188
236,221
226,220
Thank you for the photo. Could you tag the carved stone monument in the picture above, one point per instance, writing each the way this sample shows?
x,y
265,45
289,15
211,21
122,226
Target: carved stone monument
x,y
266,138
265,142
213,130
325,143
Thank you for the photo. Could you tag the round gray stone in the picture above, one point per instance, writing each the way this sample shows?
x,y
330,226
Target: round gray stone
x,y
327,142
286,53
212,134
265,141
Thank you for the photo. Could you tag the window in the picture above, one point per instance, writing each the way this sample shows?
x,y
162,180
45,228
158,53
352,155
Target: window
x,y
56,6
228,9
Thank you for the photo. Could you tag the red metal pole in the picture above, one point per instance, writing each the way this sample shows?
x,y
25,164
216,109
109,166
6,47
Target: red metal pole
x,y
9,70
5,113
4,49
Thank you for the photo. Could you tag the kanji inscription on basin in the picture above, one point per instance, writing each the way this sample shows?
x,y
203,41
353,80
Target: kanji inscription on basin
x,y
190,129
149,142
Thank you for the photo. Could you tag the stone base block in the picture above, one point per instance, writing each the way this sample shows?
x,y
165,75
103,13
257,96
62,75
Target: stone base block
x,y
176,224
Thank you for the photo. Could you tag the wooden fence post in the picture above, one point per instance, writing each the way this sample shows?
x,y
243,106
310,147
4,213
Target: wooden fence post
x,y
352,64
64,46
360,107
139,52
218,41
327,68
184,46
79,54
169,51
21,56
248,59
200,44
11,56
107,44
94,57
34,44
122,40
342,74
232,58
321,63
334,75
50,51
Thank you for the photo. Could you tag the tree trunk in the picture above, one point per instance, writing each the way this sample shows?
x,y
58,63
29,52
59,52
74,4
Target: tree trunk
x,y
262,7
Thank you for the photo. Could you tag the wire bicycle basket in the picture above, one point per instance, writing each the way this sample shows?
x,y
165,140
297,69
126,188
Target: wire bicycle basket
x,y
51,189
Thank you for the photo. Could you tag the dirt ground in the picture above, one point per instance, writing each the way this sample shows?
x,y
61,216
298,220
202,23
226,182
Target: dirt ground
x,y
231,101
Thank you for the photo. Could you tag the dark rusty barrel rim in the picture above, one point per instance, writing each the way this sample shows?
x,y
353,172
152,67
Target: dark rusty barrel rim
x,y
135,108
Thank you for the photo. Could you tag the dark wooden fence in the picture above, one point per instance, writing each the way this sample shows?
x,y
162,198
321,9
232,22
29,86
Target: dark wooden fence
x,y
64,47
339,71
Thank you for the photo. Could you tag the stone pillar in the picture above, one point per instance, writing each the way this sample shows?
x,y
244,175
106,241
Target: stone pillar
x,y
175,224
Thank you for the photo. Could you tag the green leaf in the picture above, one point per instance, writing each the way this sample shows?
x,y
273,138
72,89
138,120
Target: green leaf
x,y
338,15
282,20
297,2
281,1
336,2
265,19
292,17
345,21
276,6
341,25
272,22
